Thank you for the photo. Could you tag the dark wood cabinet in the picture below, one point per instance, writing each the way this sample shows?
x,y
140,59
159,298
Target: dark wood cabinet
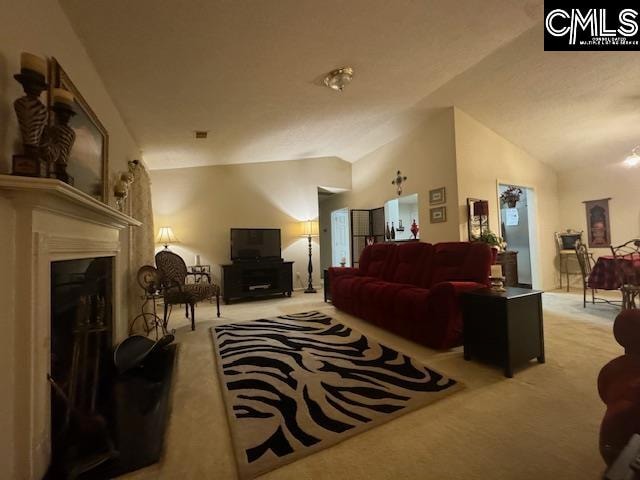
x,y
503,327
327,286
509,262
256,279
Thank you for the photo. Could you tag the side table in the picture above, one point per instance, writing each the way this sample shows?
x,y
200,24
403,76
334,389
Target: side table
x,y
150,319
327,286
504,327
199,271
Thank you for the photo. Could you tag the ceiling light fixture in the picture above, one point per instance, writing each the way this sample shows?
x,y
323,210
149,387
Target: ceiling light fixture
x,y
338,79
633,159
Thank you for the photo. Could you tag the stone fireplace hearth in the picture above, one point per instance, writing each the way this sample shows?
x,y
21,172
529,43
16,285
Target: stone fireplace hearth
x,y
53,222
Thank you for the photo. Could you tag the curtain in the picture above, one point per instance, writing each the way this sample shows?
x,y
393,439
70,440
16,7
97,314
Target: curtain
x,y
141,239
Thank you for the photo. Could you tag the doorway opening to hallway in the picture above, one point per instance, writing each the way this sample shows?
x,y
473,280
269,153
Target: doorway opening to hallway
x,y
340,238
518,229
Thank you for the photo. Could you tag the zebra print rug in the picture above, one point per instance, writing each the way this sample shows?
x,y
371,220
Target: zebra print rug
x,y
299,383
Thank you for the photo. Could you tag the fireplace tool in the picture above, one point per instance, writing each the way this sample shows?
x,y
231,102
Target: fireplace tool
x,y
86,442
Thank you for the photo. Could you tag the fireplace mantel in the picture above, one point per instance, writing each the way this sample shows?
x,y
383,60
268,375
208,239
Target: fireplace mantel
x,y
58,197
52,221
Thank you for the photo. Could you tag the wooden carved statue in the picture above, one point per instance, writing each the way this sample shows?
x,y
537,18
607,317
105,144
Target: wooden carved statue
x,y
32,116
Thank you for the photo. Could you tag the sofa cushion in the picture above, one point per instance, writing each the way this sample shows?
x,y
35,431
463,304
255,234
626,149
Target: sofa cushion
x,y
377,300
376,260
410,262
411,306
459,261
346,292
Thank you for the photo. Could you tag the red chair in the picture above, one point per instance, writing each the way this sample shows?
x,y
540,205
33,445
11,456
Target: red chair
x,y
619,388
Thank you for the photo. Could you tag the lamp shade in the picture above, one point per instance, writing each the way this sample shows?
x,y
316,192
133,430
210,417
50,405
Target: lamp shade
x,y
309,228
481,208
166,236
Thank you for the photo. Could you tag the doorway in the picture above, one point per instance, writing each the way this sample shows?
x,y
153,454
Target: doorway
x,y
340,238
518,229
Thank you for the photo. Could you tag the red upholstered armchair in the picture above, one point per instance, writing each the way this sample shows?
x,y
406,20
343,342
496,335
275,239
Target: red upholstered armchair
x,y
619,388
413,288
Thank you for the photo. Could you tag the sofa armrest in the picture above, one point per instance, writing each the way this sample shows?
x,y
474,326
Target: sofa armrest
x,y
455,288
335,272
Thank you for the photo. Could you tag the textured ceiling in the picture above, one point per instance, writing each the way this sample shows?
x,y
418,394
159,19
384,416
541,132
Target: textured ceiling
x,y
249,71
566,109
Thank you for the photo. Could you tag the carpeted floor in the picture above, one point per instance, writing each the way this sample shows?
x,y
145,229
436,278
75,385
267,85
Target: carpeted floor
x,y
541,424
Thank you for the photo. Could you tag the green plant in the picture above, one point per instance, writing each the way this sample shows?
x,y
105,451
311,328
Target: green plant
x,y
490,239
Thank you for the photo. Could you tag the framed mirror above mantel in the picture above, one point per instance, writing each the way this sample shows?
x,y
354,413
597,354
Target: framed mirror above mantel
x,y
401,216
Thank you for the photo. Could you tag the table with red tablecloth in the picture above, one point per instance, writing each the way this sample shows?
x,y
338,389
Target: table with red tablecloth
x,y
606,274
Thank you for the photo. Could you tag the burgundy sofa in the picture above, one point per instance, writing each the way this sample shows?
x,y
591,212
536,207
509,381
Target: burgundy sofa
x,y
413,289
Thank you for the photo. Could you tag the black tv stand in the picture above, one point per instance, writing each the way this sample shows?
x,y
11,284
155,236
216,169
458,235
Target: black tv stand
x,y
256,278
258,260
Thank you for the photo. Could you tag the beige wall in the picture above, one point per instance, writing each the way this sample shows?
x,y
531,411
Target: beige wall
x,y
614,181
452,149
324,220
40,27
484,158
201,205
427,157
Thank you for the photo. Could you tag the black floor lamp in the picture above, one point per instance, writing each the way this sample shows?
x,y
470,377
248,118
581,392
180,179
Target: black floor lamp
x,y
310,229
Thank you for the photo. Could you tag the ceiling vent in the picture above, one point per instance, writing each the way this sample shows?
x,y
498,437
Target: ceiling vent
x,y
201,134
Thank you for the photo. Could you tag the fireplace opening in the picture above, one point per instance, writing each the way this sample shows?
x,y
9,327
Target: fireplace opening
x,y
81,370
104,422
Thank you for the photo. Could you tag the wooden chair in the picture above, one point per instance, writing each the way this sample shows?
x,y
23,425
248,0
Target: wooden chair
x,y
585,260
627,258
566,242
176,291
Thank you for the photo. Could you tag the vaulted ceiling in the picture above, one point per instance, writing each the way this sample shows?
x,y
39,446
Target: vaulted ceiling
x,y
250,73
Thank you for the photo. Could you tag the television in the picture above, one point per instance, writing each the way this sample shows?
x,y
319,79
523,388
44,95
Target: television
x,y
255,244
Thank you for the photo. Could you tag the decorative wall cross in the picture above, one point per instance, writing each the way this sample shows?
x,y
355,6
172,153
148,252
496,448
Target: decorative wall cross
x,y
398,182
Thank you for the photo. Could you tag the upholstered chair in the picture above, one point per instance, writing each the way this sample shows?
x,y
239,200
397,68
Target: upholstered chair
x,y
619,388
176,291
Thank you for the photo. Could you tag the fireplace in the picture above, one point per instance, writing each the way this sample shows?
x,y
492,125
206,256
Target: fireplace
x,y
51,223
81,372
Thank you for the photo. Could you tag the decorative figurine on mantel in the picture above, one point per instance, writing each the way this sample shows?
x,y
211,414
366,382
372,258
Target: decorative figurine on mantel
x,y
122,185
32,116
60,137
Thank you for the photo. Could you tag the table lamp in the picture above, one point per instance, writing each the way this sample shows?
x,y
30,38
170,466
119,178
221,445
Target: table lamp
x,y
166,236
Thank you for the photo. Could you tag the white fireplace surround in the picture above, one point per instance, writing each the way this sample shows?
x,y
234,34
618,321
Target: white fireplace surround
x,y
54,221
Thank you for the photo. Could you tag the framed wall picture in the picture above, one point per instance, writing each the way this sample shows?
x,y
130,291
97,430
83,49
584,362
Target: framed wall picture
x,y
438,214
437,196
598,226
89,157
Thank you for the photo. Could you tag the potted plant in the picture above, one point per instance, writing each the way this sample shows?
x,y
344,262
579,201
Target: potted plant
x,y
492,240
510,196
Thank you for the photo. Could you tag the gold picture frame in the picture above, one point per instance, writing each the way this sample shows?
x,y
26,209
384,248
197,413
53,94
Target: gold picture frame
x,y
89,158
438,214
438,196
